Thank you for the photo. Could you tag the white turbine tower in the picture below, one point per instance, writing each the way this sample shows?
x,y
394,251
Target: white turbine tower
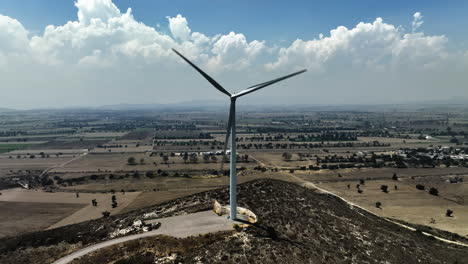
x,y
232,126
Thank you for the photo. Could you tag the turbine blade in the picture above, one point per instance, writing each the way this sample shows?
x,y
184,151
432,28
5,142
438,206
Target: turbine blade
x,y
265,84
228,133
207,77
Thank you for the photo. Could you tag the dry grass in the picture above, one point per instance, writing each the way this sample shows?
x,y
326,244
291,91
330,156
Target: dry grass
x,y
84,210
22,217
407,204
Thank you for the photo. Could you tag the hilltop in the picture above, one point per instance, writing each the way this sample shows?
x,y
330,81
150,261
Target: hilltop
x,y
296,225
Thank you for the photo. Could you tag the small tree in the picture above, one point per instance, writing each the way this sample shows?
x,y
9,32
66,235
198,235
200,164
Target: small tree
x,y
149,174
434,191
449,213
378,204
362,182
384,188
165,158
105,214
395,177
420,187
131,161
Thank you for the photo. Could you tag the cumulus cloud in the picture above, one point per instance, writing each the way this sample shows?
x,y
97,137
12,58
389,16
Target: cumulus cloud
x,y
417,21
107,51
234,51
179,27
89,10
13,36
375,45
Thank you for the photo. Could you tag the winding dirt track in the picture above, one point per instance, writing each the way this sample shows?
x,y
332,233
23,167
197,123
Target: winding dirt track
x,y
63,164
208,222
310,185
177,226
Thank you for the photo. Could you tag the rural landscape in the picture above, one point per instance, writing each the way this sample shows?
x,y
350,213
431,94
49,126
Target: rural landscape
x,y
67,169
242,132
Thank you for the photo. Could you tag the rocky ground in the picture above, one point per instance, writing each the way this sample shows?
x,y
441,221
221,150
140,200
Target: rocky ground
x,y
296,225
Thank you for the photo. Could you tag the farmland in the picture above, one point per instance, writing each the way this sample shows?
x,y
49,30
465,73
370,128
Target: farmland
x,y
144,158
12,147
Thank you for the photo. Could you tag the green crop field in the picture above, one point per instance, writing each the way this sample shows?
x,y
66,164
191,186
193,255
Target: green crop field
x,y
11,147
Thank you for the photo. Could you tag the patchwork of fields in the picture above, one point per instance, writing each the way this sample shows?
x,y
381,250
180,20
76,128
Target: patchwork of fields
x,y
143,159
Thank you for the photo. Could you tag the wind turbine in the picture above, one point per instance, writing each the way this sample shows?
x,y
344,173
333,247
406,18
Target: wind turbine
x,y
232,126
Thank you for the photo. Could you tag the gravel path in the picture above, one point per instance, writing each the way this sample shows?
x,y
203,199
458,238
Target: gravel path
x,y
176,226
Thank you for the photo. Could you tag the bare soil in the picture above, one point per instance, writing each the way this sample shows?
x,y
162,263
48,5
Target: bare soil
x,y
22,217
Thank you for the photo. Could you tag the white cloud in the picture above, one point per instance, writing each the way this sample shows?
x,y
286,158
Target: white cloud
x,y
96,9
417,21
120,38
13,36
371,46
179,27
106,51
234,51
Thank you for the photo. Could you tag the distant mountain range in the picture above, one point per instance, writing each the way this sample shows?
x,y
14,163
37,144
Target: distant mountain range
x,y
275,104
6,110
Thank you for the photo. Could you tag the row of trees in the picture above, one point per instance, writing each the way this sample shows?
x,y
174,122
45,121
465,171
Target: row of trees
x,y
311,145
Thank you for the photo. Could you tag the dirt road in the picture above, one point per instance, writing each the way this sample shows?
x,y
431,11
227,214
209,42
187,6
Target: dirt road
x,y
177,226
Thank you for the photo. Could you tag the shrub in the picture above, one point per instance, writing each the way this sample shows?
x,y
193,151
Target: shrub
x,y
149,174
434,191
131,161
384,188
378,204
360,191
361,181
449,213
420,187
395,177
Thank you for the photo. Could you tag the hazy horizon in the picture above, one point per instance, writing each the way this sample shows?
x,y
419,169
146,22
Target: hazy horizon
x,y
108,54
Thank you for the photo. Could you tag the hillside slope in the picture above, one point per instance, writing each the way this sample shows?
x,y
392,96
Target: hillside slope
x,y
296,225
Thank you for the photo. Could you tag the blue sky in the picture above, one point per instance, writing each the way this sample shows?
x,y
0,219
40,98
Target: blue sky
x,y
418,51
262,19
